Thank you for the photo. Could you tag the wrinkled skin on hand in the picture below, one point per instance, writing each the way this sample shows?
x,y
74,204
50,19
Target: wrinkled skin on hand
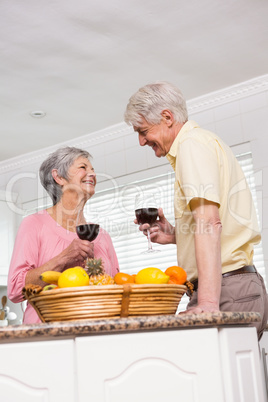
x,y
77,252
201,308
162,232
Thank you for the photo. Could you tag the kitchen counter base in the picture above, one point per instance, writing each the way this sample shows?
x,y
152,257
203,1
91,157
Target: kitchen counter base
x,y
190,364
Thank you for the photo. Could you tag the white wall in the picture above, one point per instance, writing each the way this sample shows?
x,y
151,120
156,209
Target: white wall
x,y
238,114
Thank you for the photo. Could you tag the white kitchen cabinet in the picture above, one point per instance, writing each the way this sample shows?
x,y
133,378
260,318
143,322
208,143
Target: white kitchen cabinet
x,y
189,365
7,237
37,372
186,365
149,367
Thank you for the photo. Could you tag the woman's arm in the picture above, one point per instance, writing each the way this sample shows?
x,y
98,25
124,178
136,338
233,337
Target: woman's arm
x,y
74,255
24,267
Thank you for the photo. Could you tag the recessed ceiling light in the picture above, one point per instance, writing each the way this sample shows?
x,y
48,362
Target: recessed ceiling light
x,y
38,114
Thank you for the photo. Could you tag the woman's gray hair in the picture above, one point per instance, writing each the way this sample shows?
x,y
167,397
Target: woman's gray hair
x,y
150,100
61,160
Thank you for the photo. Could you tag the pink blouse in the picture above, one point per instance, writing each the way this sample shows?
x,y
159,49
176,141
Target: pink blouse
x,y
39,239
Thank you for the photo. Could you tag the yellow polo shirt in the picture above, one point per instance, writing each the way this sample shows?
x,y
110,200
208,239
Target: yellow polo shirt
x,y
205,167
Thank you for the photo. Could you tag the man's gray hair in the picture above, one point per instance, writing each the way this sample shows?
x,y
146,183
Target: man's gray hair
x,y
61,160
150,100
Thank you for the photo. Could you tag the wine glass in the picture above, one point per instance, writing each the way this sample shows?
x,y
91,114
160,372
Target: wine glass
x,y
85,230
146,211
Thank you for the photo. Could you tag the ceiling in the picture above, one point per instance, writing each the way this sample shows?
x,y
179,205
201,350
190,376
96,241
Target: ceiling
x,y
80,61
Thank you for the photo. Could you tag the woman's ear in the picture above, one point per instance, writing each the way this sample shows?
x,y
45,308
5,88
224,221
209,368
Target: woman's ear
x,y
167,117
58,179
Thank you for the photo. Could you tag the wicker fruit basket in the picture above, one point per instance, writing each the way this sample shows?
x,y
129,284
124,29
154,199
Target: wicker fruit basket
x,y
108,301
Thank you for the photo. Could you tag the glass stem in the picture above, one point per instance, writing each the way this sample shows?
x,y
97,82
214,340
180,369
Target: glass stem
x,y
149,240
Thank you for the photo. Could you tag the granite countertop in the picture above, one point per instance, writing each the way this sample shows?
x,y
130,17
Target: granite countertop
x,y
71,329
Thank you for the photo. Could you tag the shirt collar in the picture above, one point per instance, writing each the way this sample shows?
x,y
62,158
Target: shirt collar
x,y
172,154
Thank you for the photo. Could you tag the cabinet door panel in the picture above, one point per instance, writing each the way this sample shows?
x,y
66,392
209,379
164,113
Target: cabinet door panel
x,y
152,379
150,367
37,372
14,390
241,365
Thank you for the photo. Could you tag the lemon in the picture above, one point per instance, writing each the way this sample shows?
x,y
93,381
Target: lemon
x,y
151,275
73,277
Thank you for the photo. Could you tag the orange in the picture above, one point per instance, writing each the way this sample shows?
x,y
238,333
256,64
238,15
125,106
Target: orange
x,y
120,278
173,281
177,275
73,277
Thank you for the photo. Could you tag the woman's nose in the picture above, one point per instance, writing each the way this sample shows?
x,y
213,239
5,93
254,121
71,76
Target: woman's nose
x,y
91,172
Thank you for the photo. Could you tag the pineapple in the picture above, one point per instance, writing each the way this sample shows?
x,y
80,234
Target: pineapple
x,y
96,273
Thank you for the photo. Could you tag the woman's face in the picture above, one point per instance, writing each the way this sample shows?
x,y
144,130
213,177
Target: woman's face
x,y
81,176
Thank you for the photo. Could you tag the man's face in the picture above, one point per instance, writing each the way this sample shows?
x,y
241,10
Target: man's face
x,y
157,136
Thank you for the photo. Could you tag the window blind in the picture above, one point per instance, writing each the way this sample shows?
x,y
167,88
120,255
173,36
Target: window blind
x,y
246,162
114,210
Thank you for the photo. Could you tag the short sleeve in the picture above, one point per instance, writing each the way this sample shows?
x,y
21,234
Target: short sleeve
x,y
198,170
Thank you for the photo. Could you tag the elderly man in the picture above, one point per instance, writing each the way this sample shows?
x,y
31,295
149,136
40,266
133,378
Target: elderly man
x,y
215,220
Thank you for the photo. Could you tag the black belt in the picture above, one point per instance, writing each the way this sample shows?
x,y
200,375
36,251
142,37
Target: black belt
x,y
244,270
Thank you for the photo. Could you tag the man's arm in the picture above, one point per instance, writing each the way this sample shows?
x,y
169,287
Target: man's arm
x,y
208,254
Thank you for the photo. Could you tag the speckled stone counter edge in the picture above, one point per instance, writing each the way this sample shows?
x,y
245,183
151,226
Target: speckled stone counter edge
x,y
131,324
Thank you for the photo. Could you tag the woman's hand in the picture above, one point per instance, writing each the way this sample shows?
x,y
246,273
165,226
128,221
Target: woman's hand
x,y
162,232
76,253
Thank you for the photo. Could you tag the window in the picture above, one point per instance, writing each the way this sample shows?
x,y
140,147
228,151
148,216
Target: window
x,y
114,210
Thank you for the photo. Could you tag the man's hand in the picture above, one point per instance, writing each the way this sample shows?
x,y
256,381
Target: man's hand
x,y
162,232
201,308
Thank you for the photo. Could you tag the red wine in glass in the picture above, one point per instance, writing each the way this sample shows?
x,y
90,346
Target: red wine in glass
x,y
146,211
146,215
88,231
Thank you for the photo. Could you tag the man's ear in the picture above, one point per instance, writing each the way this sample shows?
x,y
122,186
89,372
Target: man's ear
x,y
168,117
58,179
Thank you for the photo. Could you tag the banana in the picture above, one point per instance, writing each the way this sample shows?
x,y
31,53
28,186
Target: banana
x,y
50,277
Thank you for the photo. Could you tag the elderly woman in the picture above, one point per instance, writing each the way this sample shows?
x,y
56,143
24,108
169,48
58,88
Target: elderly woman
x,y
47,240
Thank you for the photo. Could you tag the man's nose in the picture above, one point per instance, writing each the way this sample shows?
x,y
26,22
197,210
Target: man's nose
x,y
142,140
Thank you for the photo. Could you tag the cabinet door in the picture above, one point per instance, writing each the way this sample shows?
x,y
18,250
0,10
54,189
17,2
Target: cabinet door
x,y
241,365
37,372
150,367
